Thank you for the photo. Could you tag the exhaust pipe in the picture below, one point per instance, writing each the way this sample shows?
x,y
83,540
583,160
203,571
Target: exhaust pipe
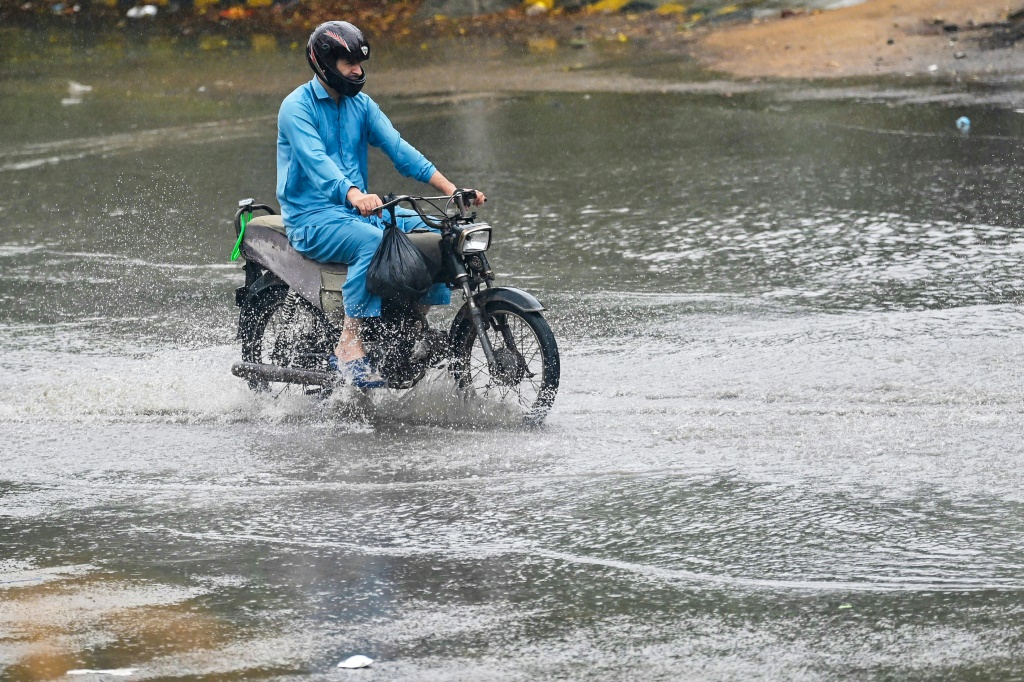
x,y
288,375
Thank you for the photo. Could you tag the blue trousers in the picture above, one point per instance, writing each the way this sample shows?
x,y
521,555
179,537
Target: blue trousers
x,y
343,236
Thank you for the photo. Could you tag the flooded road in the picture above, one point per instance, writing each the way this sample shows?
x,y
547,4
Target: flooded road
x,y
786,445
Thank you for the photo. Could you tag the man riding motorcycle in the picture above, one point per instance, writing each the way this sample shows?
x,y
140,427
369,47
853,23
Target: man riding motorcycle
x,y
324,127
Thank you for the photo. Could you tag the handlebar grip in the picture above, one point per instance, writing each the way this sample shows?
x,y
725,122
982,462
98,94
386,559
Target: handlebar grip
x,y
390,201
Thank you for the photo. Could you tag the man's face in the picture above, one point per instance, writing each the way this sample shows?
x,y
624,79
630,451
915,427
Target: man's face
x,y
349,69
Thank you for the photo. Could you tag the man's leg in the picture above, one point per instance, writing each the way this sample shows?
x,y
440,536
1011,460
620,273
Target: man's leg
x,y
343,238
350,345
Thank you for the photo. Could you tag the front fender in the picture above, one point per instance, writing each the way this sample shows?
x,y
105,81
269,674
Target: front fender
x,y
523,300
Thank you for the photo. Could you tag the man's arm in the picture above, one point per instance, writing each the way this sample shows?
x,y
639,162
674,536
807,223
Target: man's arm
x,y
445,186
441,183
296,124
369,203
407,159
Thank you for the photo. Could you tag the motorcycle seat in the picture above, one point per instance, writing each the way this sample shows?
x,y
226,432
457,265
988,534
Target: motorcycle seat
x,y
257,231
266,243
272,222
427,241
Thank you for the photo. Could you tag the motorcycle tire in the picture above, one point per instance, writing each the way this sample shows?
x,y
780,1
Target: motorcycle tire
x,y
308,350
470,370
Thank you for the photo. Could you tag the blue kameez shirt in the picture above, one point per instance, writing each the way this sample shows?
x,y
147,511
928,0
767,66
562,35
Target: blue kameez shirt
x,y
322,151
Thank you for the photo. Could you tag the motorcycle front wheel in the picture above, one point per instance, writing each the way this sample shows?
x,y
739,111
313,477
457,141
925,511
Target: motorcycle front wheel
x,y
525,372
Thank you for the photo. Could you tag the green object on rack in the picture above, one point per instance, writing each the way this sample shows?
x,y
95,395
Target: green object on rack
x,y
237,251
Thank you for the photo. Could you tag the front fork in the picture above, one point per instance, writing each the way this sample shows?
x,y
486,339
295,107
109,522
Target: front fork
x,y
477,316
479,323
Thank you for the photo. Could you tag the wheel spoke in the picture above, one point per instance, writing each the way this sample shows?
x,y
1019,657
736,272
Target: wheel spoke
x,y
478,373
517,340
522,337
520,353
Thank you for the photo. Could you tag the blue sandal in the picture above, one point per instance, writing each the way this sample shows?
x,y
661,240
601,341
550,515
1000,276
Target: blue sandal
x,y
359,372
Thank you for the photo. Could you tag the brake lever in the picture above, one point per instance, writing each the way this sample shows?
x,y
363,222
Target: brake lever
x,y
390,209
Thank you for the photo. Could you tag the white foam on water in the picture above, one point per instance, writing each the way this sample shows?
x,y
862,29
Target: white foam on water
x,y
171,386
196,387
36,155
115,672
437,401
18,574
14,250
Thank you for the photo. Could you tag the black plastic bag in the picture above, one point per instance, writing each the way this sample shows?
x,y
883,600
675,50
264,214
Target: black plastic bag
x,y
398,269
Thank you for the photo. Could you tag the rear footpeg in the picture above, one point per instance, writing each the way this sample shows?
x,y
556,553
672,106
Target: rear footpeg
x,y
288,375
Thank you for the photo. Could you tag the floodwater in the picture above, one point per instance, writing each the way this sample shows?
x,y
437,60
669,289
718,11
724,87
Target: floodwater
x,y
787,442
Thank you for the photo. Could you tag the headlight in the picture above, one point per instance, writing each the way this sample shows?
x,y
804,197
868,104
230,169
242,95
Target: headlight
x,y
474,239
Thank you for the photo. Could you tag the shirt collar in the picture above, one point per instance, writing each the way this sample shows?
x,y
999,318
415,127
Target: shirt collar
x,y
318,89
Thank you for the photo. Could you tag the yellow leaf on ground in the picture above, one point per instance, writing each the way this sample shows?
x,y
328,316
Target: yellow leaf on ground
x,y
212,43
608,6
542,44
671,8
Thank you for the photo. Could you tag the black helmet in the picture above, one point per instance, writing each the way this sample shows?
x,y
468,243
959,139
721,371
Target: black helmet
x,y
330,42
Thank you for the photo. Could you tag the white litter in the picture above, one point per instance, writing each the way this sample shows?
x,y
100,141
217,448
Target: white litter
x,y
117,672
357,661
75,88
138,12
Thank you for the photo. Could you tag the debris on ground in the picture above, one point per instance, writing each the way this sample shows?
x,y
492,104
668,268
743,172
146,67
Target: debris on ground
x,y
141,11
357,661
115,672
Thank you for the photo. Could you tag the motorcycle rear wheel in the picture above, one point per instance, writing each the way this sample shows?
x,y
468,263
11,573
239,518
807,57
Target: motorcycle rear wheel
x,y
527,367
284,330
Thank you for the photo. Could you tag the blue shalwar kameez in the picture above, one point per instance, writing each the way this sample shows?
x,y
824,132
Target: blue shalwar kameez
x,y
322,148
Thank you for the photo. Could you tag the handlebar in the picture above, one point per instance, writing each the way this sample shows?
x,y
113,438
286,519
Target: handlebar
x,y
468,197
462,198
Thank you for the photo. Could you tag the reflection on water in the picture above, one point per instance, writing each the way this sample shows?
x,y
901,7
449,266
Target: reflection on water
x,y
786,443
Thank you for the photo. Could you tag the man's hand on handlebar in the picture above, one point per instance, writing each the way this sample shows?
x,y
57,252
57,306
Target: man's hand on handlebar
x,y
446,186
479,199
371,204
366,204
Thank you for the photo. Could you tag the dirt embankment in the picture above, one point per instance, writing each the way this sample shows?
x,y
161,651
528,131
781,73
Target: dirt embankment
x,y
903,37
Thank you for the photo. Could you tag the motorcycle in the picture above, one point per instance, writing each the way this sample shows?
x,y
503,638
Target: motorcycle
x,y
498,347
